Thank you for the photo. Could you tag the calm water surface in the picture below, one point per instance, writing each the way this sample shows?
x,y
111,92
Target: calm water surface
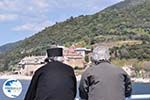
x,y
138,88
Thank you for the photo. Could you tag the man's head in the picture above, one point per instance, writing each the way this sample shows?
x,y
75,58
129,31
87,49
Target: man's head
x,y
55,54
100,53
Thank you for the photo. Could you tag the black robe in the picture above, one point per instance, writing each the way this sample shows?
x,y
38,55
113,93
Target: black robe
x,y
53,81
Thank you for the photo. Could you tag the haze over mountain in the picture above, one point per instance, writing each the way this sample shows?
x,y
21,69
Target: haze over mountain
x,y
125,21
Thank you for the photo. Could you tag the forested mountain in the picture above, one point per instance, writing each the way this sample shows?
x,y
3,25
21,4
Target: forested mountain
x,y
9,46
125,21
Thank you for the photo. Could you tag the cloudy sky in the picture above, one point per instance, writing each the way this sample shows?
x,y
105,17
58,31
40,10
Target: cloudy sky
x,y
20,19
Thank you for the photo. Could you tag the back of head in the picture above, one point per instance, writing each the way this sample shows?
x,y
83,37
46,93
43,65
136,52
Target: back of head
x,y
100,53
55,54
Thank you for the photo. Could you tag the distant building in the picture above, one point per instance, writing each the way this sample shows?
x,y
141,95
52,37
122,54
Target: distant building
x,y
29,65
74,57
83,51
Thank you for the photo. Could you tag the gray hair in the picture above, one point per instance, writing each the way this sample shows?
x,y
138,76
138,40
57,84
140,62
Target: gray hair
x,y
100,53
59,58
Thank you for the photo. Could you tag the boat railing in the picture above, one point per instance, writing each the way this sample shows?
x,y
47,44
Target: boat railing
x,y
134,97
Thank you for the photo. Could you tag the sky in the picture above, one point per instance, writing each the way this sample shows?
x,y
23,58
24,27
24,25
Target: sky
x,y
20,19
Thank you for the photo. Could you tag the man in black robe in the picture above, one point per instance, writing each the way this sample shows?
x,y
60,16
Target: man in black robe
x,y
53,81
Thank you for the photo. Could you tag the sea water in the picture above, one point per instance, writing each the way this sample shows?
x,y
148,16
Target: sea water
x,y
138,89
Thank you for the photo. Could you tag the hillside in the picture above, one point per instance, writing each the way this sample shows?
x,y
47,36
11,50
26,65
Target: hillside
x,y
127,20
9,46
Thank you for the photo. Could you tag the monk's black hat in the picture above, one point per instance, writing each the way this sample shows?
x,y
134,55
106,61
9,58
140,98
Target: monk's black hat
x,y
54,52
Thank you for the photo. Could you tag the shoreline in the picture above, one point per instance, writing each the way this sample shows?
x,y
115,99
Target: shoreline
x,y
141,80
23,77
20,77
